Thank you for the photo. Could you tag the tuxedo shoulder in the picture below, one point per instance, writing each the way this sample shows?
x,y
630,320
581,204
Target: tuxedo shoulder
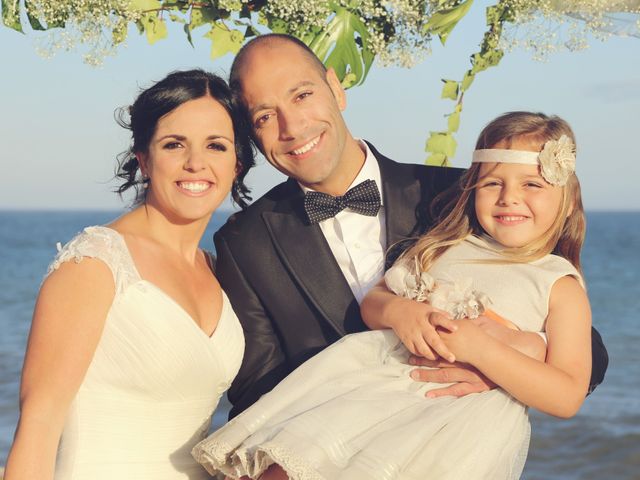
x,y
431,178
421,170
415,170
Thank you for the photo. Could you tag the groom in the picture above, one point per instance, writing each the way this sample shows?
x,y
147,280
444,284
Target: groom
x,y
294,273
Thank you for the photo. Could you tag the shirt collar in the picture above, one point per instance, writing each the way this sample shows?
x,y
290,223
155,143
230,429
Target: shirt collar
x,y
370,170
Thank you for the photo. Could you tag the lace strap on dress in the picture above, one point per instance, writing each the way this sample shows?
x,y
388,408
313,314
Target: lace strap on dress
x,y
101,243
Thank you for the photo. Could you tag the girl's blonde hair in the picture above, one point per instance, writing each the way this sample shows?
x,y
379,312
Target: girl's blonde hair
x,y
457,219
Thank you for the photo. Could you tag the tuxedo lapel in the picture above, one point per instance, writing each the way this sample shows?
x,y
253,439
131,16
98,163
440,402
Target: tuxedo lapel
x,y
306,254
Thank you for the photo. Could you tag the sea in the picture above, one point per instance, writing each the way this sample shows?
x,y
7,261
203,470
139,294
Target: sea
x,y
601,442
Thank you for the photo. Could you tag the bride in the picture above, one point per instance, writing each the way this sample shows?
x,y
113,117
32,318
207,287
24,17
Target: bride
x,y
133,341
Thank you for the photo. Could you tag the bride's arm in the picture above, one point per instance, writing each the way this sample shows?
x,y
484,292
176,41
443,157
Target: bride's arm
x,y
67,324
557,386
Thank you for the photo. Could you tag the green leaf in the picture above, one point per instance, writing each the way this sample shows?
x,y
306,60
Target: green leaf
x,y
203,16
450,89
348,80
437,160
337,46
453,123
11,14
509,14
493,15
442,22
140,26
262,18
467,80
154,27
224,40
145,5
494,57
33,20
277,25
441,142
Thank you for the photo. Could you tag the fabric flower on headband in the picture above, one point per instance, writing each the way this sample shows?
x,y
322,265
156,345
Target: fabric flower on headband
x,y
558,160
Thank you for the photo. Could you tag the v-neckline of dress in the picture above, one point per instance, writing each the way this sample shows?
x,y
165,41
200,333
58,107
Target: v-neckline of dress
x,y
164,294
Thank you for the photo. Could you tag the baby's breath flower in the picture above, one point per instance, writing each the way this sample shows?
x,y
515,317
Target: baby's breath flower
x,y
546,26
89,23
395,28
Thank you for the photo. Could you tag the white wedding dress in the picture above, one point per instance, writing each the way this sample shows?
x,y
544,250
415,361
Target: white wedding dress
x,y
154,381
352,412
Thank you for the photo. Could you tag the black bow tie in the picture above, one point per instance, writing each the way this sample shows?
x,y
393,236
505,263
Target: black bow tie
x,y
364,199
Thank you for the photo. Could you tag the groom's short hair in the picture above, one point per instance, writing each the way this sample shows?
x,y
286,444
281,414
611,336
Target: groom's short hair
x,y
270,39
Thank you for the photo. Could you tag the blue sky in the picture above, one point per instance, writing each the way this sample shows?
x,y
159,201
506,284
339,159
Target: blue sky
x,y
59,138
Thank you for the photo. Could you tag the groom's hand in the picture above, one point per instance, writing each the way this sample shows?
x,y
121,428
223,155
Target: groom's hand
x,y
465,378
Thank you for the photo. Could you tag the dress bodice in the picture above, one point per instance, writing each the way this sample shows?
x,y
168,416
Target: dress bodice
x,y
519,292
154,381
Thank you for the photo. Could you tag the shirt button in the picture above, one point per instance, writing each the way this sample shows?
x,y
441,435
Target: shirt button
x,y
357,245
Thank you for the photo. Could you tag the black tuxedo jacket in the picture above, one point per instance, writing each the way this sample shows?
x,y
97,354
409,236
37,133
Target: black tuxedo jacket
x,y
287,288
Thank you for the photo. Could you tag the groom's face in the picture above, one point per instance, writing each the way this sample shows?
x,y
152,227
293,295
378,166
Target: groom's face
x,y
295,110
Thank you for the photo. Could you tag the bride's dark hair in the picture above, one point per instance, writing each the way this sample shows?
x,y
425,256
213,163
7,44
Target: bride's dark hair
x,y
160,99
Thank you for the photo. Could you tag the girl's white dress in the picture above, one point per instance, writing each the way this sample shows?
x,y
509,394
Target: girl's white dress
x,y
352,411
154,381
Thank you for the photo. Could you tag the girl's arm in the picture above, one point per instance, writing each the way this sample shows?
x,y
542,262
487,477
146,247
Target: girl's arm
x,y
414,323
559,385
67,324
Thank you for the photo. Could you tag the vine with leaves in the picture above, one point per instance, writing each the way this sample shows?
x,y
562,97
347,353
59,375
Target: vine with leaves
x,y
347,35
441,145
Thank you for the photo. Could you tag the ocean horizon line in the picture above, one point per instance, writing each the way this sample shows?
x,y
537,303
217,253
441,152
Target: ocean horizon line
x,y
225,210
84,210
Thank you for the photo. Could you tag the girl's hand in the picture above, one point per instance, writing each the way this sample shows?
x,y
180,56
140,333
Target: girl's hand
x,y
529,343
466,342
418,325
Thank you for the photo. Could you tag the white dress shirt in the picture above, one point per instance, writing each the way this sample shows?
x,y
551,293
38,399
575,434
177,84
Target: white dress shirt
x,y
358,242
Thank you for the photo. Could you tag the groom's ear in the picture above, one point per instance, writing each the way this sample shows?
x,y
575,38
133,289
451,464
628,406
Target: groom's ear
x,y
336,88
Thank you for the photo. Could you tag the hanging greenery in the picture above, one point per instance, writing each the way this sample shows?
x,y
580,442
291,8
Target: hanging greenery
x,y
347,35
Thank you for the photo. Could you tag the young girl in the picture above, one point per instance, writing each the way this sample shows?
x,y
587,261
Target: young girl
x,y
509,240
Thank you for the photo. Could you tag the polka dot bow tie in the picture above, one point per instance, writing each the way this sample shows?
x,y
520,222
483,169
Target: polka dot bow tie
x,y
364,199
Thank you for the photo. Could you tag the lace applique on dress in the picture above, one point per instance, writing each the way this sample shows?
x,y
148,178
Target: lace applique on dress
x,y
104,244
457,297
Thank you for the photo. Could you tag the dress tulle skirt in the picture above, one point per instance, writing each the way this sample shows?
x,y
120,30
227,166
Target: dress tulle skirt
x,y
352,412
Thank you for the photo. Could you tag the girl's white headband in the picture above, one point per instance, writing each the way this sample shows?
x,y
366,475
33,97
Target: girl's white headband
x,y
498,155
557,159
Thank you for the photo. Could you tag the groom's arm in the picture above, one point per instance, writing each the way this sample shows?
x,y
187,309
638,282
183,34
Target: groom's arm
x,y
264,363
600,360
468,380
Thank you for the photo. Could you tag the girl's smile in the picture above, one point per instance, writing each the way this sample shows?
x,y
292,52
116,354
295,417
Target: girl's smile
x,y
513,203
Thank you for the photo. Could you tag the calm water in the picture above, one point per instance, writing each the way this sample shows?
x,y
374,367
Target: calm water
x,y
602,441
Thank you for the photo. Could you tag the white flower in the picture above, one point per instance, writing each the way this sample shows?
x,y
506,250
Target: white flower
x,y
394,278
558,160
458,298
427,280
402,281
